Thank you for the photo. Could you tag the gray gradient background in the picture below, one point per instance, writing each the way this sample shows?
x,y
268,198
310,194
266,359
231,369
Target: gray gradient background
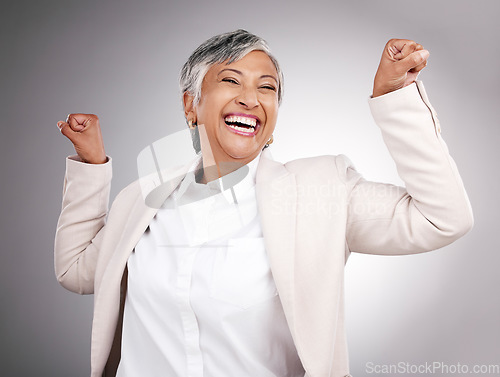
x,y
121,60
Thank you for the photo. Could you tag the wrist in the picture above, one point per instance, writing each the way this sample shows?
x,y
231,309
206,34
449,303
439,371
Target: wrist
x,y
96,162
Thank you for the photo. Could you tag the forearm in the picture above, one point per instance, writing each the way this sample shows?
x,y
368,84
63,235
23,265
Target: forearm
x,y
433,209
83,215
412,133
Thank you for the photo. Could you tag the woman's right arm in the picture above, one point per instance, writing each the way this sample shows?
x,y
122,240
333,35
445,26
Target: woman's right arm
x,y
85,203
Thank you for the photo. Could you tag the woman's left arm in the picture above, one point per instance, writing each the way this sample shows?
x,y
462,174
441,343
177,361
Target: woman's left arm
x,y
433,209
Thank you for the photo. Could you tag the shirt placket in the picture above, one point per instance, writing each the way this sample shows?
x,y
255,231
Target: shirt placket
x,y
186,257
188,318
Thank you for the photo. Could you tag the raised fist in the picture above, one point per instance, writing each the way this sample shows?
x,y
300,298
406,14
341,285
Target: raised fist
x,y
401,62
84,131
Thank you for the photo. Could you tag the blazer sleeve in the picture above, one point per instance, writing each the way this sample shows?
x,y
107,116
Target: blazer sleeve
x,y
81,224
433,209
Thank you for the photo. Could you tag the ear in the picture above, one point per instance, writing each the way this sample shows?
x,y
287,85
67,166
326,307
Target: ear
x,y
189,108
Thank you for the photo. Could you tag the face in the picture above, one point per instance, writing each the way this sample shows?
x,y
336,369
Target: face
x,y
238,107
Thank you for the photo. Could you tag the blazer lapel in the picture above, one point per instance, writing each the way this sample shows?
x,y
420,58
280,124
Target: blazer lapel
x,y
277,199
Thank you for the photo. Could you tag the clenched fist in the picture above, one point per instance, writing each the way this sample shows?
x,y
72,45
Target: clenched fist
x,y
401,62
84,131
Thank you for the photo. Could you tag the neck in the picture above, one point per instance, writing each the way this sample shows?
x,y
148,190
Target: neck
x,y
213,168
212,171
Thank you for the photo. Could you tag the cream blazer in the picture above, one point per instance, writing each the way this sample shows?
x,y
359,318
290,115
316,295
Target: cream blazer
x,y
313,211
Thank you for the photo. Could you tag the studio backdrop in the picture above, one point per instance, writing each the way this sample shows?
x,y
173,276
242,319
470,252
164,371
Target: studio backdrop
x,y
121,61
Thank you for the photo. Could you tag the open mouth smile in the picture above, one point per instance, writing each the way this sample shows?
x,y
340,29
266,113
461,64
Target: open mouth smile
x,y
242,124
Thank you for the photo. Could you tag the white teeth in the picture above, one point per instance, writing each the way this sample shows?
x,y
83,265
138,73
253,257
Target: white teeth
x,y
239,119
243,129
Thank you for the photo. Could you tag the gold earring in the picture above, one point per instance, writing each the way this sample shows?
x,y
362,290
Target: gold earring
x,y
270,141
191,124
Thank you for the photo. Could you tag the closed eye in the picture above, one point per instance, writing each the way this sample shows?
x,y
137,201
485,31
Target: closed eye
x,y
270,87
230,80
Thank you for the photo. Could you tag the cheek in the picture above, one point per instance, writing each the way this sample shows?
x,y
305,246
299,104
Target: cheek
x,y
272,111
208,113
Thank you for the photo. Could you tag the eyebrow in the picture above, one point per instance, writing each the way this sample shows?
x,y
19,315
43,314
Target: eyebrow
x,y
241,73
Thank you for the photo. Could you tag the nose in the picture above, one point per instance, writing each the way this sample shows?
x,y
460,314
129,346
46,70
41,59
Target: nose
x,y
248,98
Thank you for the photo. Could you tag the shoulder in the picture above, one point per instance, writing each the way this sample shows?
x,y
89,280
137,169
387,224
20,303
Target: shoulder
x,y
327,166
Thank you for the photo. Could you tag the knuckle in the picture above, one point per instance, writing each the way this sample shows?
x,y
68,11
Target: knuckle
x,y
72,117
93,118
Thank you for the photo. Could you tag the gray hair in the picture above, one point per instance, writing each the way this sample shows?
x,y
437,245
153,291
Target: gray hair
x,y
228,47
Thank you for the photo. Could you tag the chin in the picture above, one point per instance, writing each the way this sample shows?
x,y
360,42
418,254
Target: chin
x,y
241,153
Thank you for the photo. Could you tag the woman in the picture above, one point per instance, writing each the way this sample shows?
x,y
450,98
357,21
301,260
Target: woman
x,y
207,281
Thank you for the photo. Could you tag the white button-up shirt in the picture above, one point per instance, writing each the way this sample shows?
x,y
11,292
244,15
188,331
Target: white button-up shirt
x,y
201,299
